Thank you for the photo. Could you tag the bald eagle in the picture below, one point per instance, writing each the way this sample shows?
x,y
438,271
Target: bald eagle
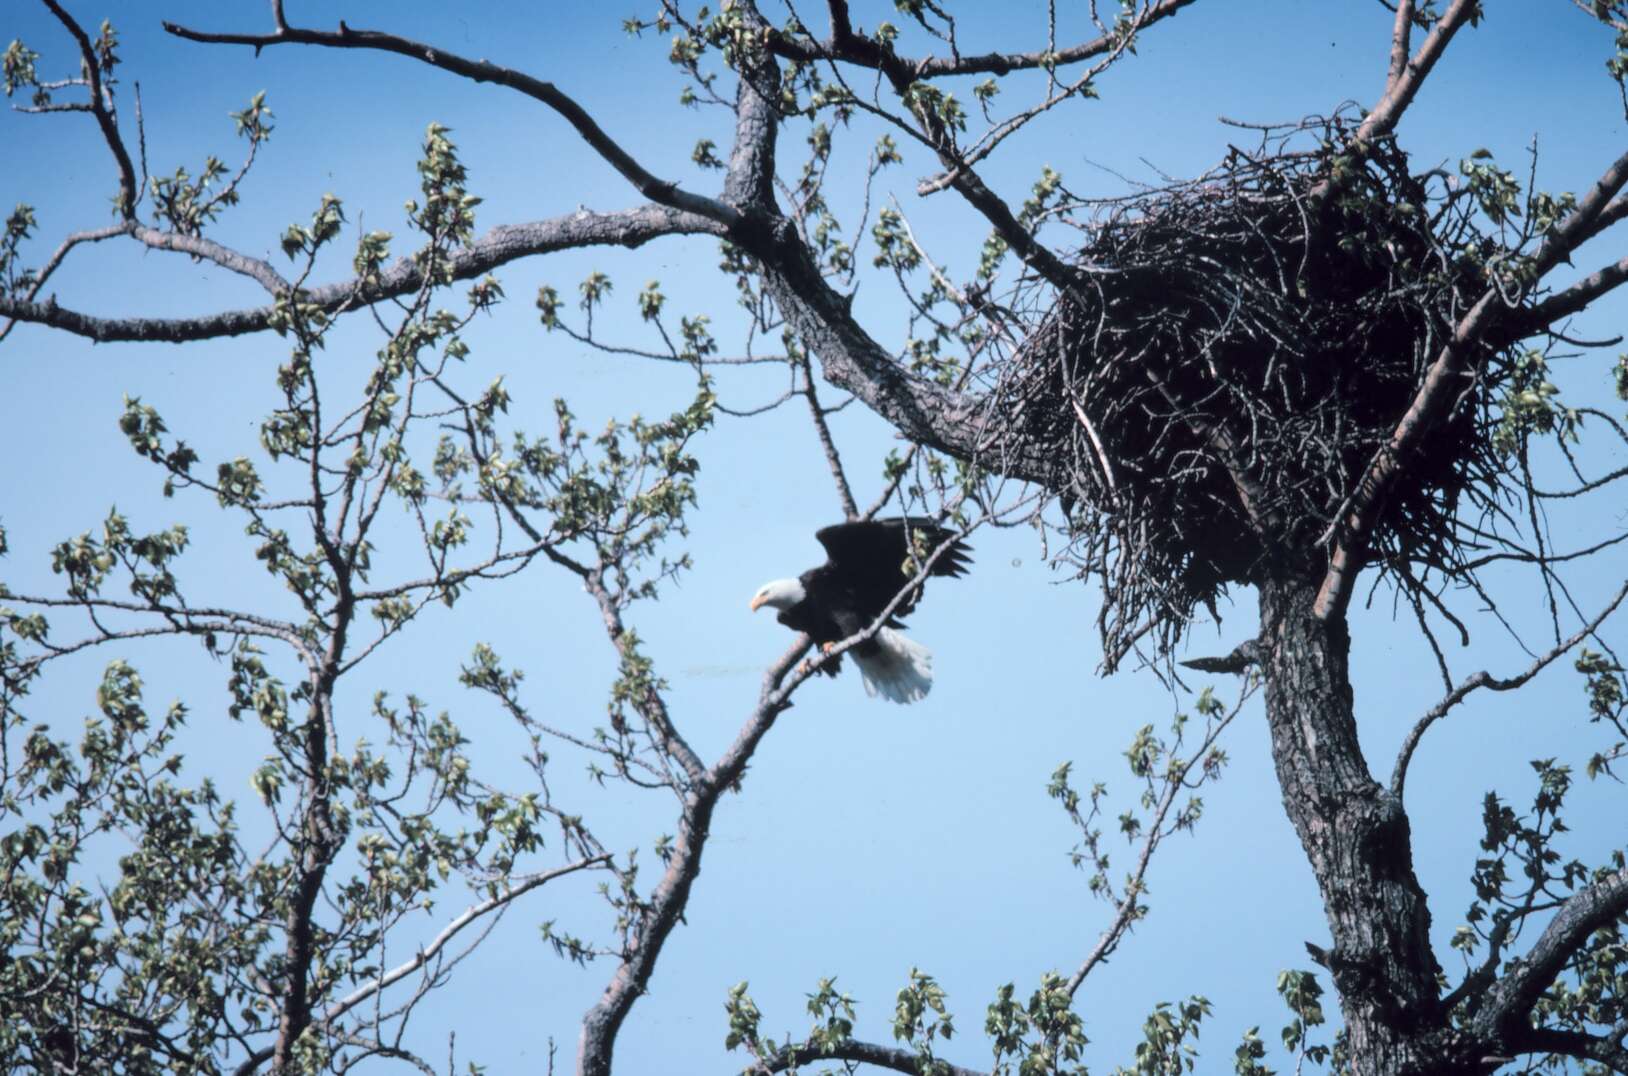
x,y
867,564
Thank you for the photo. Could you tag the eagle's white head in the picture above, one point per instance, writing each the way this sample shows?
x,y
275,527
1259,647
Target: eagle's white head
x,y
779,594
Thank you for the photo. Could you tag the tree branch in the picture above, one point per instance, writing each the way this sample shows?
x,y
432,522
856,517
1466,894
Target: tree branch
x,y
816,413
261,272
503,244
1402,85
1400,37
658,916
850,359
1487,680
74,239
664,192
1127,912
1576,1044
99,97
822,318
429,952
1572,300
1503,1017
902,76
864,1053
1580,294
1442,386
849,47
749,182
1406,78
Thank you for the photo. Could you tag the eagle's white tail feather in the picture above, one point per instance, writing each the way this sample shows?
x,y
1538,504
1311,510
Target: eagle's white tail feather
x,y
901,672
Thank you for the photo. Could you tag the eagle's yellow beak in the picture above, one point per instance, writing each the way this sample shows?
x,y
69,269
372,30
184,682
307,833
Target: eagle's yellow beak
x,y
755,602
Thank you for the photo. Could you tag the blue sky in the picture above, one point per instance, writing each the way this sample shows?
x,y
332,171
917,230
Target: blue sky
x,y
868,838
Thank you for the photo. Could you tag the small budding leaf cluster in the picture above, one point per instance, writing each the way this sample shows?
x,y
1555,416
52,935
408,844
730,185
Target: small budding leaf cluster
x,y
1045,1037
20,225
1607,704
1530,405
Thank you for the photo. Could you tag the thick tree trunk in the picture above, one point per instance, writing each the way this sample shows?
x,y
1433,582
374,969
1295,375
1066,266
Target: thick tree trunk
x,y
1356,837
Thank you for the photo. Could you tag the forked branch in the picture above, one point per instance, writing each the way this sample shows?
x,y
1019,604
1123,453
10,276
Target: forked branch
x,y
1487,324
1485,679
661,191
1506,1012
506,243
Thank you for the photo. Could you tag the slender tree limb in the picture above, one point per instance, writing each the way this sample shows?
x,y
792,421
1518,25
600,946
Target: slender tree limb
x,y
920,409
901,77
651,705
1595,211
663,192
1404,82
863,1053
1402,85
54,106
1573,299
419,959
261,272
1577,296
816,413
1126,912
99,98
184,619
1400,43
1057,93
845,45
661,912
74,239
506,243
1485,679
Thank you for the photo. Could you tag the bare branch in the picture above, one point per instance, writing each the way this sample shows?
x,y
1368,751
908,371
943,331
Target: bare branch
x,y
663,192
256,269
933,131
863,1053
1400,37
74,239
661,912
1404,83
1575,298
99,97
921,409
817,415
1485,679
851,48
652,707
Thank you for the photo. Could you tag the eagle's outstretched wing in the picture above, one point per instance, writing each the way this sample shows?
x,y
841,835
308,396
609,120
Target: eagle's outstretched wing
x,y
869,561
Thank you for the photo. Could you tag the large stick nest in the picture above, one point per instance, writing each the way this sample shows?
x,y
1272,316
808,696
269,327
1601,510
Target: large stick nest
x,y
1215,388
